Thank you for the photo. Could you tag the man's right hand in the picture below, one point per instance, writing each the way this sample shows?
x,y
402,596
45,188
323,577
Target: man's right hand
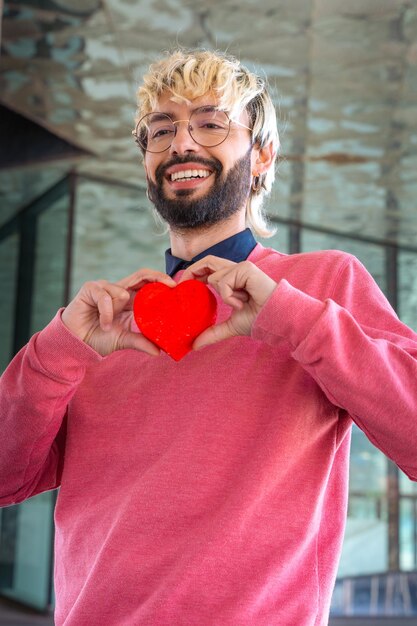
x,y
101,313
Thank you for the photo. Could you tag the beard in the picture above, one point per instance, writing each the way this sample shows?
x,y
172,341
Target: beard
x,y
227,195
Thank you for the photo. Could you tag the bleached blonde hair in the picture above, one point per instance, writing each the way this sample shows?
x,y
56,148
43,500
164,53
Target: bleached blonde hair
x,y
189,74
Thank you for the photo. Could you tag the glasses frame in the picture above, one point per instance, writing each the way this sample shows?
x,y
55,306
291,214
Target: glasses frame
x,y
175,122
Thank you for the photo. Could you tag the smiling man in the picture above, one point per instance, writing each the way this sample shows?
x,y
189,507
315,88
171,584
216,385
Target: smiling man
x,y
213,490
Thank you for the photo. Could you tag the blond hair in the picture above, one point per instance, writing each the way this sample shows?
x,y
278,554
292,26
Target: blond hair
x,y
189,74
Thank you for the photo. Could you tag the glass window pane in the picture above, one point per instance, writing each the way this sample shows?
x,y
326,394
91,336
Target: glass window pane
x,y
279,201
407,486
408,534
371,255
26,529
9,253
19,187
50,264
8,525
115,234
407,297
365,544
368,466
31,575
347,197
280,241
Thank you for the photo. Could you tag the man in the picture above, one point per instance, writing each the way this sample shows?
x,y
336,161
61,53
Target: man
x,y
212,490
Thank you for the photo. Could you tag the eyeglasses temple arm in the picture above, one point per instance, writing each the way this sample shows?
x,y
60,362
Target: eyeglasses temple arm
x,y
240,124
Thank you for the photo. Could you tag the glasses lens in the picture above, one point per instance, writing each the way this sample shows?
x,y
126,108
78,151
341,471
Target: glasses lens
x,y
209,126
155,132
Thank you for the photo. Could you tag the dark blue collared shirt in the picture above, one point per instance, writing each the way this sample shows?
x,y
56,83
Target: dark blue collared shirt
x,y
236,248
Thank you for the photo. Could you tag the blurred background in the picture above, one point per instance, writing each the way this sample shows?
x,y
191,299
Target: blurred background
x,y
73,205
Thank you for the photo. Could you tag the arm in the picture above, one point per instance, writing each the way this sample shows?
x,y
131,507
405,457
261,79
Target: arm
x,y
34,393
38,385
360,354
352,344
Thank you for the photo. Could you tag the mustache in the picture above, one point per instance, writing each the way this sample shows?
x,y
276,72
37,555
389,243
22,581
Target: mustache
x,y
213,164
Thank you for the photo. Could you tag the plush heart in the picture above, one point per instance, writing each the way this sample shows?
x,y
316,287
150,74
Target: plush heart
x,y
172,317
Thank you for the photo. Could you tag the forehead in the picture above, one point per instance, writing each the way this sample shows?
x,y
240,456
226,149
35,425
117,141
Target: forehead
x,y
179,107
169,103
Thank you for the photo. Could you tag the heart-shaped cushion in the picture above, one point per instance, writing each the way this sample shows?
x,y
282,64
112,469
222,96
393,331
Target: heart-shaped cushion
x,y
172,317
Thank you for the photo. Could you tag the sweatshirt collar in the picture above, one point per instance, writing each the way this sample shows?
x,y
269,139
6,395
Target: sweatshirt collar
x,y
235,248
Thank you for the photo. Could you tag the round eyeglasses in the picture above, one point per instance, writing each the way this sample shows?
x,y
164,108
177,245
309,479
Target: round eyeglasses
x,y
207,125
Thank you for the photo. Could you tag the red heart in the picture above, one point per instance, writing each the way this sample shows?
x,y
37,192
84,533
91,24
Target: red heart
x,y
172,317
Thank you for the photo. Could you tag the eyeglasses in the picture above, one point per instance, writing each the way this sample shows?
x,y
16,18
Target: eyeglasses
x,y
208,126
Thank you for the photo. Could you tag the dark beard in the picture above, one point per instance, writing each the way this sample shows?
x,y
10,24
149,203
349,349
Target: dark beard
x,y
225,198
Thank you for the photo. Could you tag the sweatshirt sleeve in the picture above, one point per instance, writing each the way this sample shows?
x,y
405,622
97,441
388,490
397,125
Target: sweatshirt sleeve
x,y
35,391
357,350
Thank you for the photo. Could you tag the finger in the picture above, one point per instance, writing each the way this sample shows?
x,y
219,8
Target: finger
x,y
234,302
143,276
137,341
105,309
206,266
228,295
214,334
132,296
99,295
229,286
109,299
241,295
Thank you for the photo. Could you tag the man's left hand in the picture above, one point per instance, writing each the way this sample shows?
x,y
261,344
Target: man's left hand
x,y
243,286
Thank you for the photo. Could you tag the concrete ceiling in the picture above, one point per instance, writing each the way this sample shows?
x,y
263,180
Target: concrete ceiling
x,y
343,74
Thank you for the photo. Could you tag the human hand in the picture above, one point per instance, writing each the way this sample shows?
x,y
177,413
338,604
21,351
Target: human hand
x,y
101,313
243,286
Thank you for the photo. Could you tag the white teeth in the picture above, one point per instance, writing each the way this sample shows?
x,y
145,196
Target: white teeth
x,y
190,174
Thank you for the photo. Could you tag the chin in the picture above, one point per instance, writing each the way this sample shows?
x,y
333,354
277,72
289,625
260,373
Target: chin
x,y
182,193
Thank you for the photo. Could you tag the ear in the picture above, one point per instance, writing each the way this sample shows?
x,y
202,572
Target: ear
x,y
262,158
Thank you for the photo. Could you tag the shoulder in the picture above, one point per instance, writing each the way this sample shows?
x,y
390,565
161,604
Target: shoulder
x,y
324,274
307,267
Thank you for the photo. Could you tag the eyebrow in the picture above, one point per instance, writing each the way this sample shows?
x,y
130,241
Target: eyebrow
x,y
158,116
172,114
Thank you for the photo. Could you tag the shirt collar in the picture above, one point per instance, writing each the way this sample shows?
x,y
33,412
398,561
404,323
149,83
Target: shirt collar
x,y
235,248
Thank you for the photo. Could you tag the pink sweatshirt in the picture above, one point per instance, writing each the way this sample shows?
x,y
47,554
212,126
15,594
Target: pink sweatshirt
x,y
212,491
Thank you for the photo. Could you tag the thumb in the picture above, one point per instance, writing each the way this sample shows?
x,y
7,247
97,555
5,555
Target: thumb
x,y
137,341
214,334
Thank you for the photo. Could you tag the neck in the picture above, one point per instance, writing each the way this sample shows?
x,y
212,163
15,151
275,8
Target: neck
x,y
186,244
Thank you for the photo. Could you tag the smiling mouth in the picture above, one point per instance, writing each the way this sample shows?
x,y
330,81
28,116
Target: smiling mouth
x,y
188,174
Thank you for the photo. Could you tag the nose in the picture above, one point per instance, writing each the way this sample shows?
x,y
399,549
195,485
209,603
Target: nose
x,y
182,141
